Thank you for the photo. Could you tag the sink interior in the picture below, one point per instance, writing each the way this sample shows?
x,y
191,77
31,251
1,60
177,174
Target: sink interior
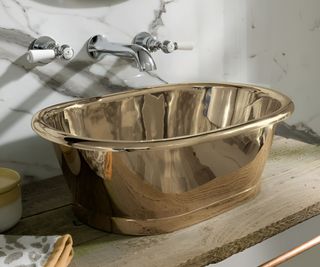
x,y
163,113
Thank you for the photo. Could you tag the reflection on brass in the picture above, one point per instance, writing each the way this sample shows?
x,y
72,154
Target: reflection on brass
x,y
72,158
292,253
108,167
156,160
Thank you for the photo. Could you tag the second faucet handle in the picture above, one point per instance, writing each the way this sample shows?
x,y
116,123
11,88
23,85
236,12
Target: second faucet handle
x,y
149,42
169,46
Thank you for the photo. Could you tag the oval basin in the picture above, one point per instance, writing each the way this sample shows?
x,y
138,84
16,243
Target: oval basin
x,y
155,160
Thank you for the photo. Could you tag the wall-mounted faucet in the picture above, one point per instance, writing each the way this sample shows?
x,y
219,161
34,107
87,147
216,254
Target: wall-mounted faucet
x,y
98,46
140,49
45,49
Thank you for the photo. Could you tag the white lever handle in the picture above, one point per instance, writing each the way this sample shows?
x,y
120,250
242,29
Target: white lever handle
x,y
185,45
40,55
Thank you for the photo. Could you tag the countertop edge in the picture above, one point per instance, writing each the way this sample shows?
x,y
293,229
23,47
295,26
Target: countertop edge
x,y
221,253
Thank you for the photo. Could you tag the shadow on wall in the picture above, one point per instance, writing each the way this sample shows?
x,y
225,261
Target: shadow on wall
x,y
34,155
55,82
299,131
80,3
39,94
26,155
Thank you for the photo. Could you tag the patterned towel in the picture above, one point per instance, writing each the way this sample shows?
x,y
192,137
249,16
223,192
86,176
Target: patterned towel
x,y
35,251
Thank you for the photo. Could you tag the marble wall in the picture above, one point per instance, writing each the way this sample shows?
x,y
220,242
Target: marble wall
x,y
268,42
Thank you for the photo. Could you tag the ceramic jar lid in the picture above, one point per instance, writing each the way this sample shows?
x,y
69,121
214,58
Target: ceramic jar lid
x,y
9,179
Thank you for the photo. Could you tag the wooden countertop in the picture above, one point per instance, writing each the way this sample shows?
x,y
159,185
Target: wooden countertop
x,y
290,194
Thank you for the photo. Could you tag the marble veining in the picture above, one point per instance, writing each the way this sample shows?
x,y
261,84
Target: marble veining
x,y
157,22
234,42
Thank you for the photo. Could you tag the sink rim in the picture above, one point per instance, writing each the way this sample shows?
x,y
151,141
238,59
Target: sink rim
x,y
63,138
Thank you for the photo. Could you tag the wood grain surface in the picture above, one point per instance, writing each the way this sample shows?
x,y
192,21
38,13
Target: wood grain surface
x,y
42,196
290,194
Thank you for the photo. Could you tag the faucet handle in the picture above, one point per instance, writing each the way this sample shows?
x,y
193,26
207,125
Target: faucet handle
x,y
185,46
149,42
35,55
169,46
45,48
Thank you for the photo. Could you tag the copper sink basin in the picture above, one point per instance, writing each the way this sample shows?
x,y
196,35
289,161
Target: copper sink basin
x,y
155,160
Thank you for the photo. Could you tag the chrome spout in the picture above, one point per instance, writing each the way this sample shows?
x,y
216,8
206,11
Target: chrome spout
x,y
98,46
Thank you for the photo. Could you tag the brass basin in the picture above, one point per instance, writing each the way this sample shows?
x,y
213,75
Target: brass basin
x,y
155,160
